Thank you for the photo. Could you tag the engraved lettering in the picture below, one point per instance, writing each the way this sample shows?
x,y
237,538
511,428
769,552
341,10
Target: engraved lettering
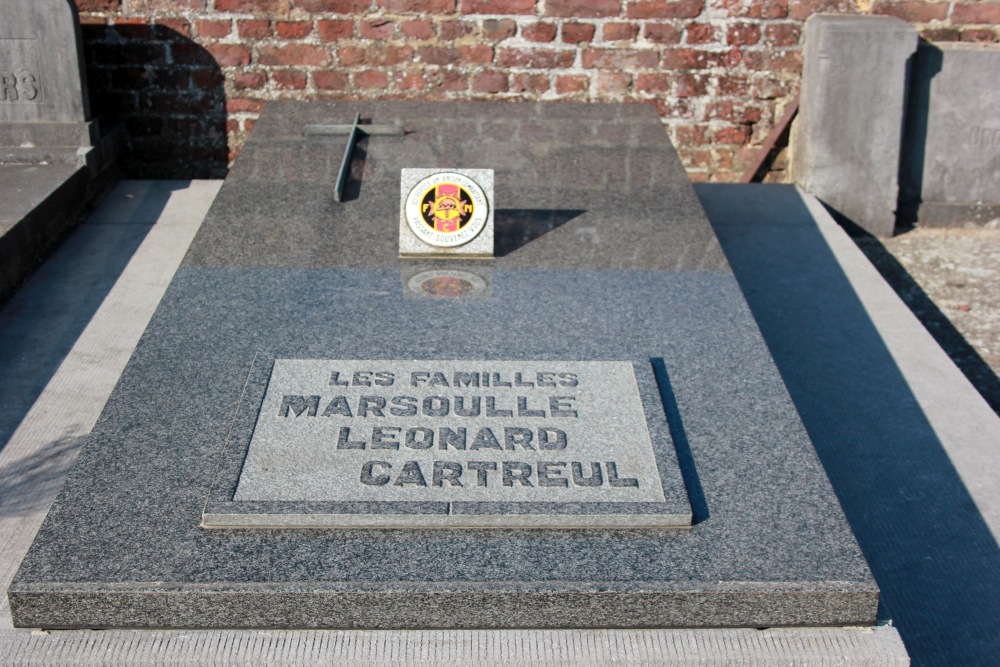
x,y
411,474
519,437
482,469
516,471
367,476
344,441
385,437
615,480
338,406
420,438
374,405
446,471
552,438
549,474
298,405
448,437
595,479
562,406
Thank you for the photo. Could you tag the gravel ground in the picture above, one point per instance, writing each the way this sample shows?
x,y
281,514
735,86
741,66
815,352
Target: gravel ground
x,y
950,278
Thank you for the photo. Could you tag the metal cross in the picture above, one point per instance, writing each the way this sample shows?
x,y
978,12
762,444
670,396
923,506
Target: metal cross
x,y
352,131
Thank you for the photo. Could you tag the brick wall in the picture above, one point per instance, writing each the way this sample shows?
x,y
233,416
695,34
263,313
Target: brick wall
x,y
187,78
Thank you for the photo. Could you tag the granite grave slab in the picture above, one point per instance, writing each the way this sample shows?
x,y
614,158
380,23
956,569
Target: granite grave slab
x,y
605,266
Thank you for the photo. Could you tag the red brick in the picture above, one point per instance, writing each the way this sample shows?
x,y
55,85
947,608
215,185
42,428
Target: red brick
x,y
611,83
719,109
377,55
539,32
577,33
913,12
736,86
773,61
179,26
568,84
751,115
254,29
213,28
941,35
800,10
662,33
742,34
583,8
295,54
98,5
536,58
616,32
783,34
690,85
621,59
332,31
692,135
489,82
981,12
695,59
418,29
289,79
239,105
529,83
498,6
371,78
495,30
451,80
228,55
247,6
382,29
665,9
329,6
441,55
652,83
982,35
166,5
451,30
293,29
700,33
411,81
330,80
249,80
736,134
418,6
758,9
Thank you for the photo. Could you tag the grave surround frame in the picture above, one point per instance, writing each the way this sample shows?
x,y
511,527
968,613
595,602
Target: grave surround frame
x,y
603,254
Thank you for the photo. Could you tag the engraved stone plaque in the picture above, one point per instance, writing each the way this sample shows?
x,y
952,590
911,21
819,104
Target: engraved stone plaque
x,y
449,444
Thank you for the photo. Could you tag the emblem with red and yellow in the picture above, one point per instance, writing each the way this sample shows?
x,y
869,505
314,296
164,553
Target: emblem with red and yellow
x,y
447,209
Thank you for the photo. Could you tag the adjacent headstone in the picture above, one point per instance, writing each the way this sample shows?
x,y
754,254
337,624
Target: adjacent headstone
x,y
846,142
43,88
951,151
49,163
293,330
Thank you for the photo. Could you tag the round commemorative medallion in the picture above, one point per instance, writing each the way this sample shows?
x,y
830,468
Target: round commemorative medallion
x,y
446,209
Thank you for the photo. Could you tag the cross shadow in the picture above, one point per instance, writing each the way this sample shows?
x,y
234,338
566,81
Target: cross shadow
x,y
515,228
934,558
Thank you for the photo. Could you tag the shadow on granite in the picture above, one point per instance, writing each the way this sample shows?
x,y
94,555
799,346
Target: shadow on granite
x,y
933,556
517,227
34,340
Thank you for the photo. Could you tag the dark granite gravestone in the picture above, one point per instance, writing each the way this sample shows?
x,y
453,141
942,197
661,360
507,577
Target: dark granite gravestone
x,y
293,318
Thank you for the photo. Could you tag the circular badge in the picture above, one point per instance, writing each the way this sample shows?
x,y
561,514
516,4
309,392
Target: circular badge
x,y
446,209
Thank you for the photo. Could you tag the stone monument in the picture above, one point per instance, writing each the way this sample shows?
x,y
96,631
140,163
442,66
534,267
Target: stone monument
x,y
846,140
52,156
585,431
951,148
